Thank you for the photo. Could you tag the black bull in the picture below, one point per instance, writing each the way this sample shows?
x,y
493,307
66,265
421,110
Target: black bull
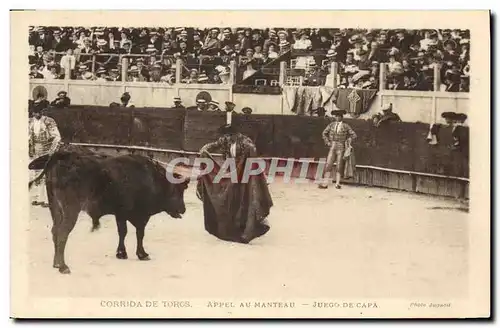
x,y
130,187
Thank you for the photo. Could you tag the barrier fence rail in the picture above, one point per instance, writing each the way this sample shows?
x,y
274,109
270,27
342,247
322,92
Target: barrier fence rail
x,y
234,65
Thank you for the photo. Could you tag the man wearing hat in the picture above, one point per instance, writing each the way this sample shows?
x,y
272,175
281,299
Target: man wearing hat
x,y
58,44
272,39
133,74
227,38
213,105
201,105
401,42
338,136
114,75
43,39
101,75
450,118
178,103
464,83
86,48
387,115
125,100
230,106
234,210
460,133
62,101
246,110
257,39
452,79
212,43
141,68
243,41
34,73
44,138
202,79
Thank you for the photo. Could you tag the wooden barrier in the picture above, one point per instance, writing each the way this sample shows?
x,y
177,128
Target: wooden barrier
x,y
394,156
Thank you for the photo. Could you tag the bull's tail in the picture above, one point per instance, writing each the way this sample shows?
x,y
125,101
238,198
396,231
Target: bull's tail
x,y
42,163
95,224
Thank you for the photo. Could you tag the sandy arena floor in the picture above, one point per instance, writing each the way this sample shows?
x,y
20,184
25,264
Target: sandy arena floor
x,y
356,242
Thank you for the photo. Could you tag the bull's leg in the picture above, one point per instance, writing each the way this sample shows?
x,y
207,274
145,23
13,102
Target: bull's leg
x,y
140,226
62,231
57,216
55,262
121,251
140,252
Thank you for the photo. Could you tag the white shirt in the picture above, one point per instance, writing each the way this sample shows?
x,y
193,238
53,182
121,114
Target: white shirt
x,y
68,61
272,55
424,44
232,149
302,44
338,127
248,73
37,127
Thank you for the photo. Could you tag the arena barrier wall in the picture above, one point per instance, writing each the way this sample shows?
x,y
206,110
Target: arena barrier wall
x,y
411,106
395,156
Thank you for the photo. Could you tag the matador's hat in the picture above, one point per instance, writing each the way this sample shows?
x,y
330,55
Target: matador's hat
x,y
227,129
339,112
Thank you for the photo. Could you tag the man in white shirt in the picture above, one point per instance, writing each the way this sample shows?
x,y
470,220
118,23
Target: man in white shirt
x,y
44,138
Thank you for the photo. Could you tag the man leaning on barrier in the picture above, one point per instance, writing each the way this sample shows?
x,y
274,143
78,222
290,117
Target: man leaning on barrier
x,y
338,135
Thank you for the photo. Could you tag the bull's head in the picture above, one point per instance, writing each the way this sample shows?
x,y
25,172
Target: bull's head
x,y
175,206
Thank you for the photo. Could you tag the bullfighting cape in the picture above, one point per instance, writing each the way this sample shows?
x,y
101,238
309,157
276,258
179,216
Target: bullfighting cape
x,y
235,211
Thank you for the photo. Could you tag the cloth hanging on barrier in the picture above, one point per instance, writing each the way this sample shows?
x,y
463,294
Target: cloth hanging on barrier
x,y
355,101
349,163
327,98
301,100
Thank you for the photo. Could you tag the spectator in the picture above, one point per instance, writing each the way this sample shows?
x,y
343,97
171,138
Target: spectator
x,y
86,47
62,100
133,75
124,39
68,61
213,106
178,103
212,43
202,79
417,51
52,73
193,77
464,83
452,80
34,73
101,75
114,75
272,39
224,76
271,51
58,44
394,66
246,110
125,100
250,70
386,116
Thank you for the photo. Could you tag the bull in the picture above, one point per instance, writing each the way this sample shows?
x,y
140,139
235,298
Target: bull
x,y
131,187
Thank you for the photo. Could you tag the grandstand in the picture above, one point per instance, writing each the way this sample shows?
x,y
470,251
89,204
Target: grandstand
x,y
246,56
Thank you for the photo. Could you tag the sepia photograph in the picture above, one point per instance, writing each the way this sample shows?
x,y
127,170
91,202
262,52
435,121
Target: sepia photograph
x,y
250,164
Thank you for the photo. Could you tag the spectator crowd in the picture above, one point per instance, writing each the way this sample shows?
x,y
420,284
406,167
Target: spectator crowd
x,y
411,55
